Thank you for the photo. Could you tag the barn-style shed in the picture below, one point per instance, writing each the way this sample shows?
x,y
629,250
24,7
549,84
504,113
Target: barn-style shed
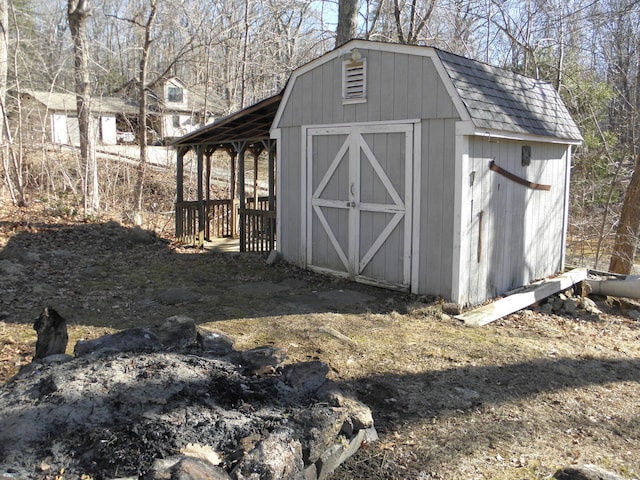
x,y
414,168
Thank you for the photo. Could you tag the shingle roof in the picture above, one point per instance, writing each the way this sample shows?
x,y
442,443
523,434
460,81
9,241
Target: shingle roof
x,y
66,102
249,124
497,99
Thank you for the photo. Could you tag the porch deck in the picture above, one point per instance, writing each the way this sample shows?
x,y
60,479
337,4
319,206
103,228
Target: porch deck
x,y
251,229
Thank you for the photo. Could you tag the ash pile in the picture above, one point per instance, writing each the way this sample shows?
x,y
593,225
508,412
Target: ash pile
x,y
169,402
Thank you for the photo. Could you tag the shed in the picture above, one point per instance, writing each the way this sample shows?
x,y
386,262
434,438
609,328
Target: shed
x,y
53,116
413,168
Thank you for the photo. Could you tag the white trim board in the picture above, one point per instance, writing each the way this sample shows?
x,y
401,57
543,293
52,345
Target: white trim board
x,y
522,299
399,206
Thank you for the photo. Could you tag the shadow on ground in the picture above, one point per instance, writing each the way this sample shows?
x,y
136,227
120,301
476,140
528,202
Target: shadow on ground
x,y
105,274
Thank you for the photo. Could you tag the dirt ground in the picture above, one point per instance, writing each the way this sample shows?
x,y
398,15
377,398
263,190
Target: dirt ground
x,y
516,399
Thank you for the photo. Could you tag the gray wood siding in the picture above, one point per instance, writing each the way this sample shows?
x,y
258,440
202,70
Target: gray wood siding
x,y
399,87
290,193
510,235
436,207
516,233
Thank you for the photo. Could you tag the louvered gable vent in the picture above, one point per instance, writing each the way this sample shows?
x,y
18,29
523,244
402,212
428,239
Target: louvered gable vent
x,y
354,81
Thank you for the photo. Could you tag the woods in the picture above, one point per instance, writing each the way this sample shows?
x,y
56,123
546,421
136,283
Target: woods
x,y
237,52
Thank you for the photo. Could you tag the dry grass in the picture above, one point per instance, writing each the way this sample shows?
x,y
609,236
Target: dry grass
x,y
516,399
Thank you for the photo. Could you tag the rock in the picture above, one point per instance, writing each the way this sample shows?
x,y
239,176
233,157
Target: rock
x,y
306,378
319,429
589,305
277,457
634,314
263,359
557,303
310,472
337,454
585,472
109,415
359,416
185,468
51,328
273,258
176,332
546,308
9,268
61,253
19,254
137,235
132,340
569,307
176,296
216,344
329,461
451,308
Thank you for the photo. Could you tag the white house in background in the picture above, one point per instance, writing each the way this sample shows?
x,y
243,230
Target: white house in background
x,y
414,168
173,110
52,117
179,114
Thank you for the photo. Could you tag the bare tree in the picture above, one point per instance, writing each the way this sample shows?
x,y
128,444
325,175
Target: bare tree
x,y
142,97
625,246
409,26
347,27
622,45
4,59
78,11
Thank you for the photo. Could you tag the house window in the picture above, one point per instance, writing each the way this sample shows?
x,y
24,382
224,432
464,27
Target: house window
x,y
354,79
175,94
176,121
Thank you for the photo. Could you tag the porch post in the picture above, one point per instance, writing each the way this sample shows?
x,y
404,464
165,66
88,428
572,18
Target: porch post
x,y
241,148
207,204
179,209
256,154
232,193
270,145
200,156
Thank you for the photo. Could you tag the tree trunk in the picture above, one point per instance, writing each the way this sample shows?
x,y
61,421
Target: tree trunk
x,y
347,27
78,11
4,57
52,334
142,123
624,249
12,162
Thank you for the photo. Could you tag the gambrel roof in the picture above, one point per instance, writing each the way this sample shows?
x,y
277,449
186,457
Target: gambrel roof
x,y
497,99
491,100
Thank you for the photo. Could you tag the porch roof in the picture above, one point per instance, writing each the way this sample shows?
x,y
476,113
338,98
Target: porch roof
x,y
250,124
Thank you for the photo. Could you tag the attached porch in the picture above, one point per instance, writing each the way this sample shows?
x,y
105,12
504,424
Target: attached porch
x,y
248,213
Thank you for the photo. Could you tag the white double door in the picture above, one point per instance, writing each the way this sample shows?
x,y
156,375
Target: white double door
x,y
358,215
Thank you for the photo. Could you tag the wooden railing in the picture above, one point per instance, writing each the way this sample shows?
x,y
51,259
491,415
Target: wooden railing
x,y
218,221
259,232
263,203
259,223
187,222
